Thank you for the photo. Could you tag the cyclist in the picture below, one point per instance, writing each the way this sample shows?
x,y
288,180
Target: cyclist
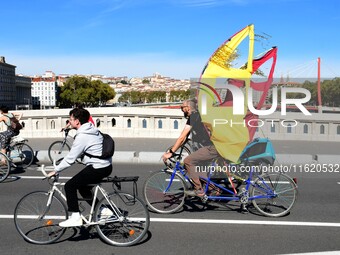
x,y
204,148
87,139
5,136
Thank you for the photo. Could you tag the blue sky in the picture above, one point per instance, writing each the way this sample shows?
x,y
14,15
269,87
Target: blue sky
x,y
172,37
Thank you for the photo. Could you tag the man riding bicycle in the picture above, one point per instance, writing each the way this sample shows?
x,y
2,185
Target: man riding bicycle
x,y
89,140
204,148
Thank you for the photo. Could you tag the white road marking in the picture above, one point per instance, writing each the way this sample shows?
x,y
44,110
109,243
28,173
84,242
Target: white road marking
x,y
66,178
35,177
317,253
247,222
238,222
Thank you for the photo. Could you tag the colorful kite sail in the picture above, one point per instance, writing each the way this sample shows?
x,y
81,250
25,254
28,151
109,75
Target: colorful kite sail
x,y
223,94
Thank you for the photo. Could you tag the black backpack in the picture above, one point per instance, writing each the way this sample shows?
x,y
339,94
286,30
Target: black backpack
x,y
108,147
15,124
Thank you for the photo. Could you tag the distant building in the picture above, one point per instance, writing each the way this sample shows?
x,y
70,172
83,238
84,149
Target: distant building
x,y
15,90
48,74
7,84
44,91
23,92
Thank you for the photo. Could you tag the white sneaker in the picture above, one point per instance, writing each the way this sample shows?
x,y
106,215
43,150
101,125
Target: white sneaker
x,y
105,213
71,222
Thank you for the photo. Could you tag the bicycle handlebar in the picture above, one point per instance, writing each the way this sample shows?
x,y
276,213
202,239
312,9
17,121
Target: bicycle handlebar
x,y
66,130
45,173
173,159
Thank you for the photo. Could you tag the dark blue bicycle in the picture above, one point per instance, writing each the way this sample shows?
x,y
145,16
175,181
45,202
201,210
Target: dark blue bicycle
x,y
272,193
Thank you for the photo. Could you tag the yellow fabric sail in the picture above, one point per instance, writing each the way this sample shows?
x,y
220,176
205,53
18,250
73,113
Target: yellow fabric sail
x,y
229,132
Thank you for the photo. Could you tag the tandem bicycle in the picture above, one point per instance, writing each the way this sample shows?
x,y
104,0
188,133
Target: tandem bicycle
x,y
125,220
272,194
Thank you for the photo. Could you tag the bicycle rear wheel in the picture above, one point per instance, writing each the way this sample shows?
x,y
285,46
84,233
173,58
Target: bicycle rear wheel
x,y
126,224
5,167
38,223
22,155
274,194
162,201
58,150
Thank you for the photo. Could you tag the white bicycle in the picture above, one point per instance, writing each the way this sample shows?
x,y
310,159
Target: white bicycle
x,y
37,214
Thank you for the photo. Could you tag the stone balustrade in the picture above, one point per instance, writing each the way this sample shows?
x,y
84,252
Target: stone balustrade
x,y
168,123
116,121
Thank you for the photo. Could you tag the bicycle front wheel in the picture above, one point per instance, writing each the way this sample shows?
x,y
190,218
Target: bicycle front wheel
x,y
58,150
22,155
160,197
38,222
5,167
123,220
274,194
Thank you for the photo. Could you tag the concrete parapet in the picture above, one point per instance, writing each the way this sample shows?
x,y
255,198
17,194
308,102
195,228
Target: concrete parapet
x,y
327,159
294,159
149,157
42,156
138,122
152,157
124,157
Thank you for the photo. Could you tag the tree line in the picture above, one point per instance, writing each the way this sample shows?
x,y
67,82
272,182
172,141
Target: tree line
x,y
82,90
89,93
330,92
95,93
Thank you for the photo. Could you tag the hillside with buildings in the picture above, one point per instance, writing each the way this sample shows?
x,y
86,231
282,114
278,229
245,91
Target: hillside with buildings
x,y
42,91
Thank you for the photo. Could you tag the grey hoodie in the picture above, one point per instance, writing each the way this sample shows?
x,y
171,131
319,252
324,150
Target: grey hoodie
x,y
87,139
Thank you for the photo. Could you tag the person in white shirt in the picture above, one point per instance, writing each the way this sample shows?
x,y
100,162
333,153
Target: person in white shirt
x,y
89,140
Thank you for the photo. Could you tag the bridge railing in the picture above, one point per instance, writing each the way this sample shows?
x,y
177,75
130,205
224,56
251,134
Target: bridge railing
x,y
168,123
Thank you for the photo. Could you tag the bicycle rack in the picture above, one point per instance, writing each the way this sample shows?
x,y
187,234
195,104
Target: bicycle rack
x,y
117,182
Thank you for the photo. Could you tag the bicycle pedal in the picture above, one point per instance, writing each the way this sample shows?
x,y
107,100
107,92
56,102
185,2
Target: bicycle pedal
x,y
204,198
